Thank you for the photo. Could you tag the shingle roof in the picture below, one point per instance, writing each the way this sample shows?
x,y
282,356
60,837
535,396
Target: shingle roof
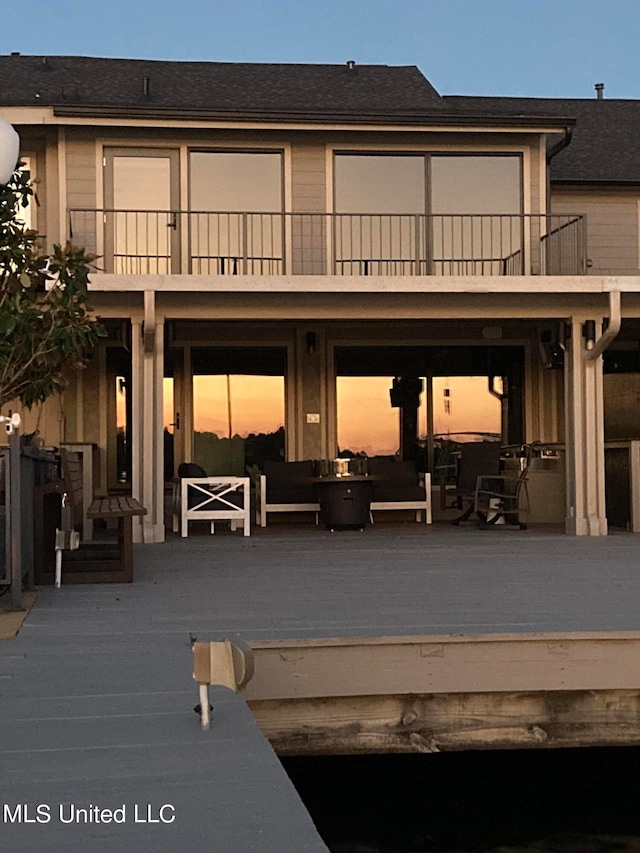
x,y
217,86
604,148
605,144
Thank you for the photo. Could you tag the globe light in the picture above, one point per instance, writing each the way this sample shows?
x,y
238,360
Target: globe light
x,y
9,150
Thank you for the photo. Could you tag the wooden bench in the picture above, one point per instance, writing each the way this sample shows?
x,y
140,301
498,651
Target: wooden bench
x,y
98,561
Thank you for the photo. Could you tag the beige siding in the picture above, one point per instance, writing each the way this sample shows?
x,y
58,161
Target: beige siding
x,y
81,172
612,226
308,181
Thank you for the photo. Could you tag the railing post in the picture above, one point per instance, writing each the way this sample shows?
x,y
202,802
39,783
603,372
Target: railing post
x,y
245,238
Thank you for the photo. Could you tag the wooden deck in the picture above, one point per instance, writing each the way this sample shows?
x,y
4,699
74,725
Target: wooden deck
x,y
97,691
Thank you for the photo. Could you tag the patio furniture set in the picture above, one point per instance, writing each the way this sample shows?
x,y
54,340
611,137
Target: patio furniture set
x,y
298,487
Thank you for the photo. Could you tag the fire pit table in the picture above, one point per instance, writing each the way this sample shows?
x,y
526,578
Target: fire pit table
x,y
344,496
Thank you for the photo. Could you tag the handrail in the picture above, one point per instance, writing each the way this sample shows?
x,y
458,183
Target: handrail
x,y
138,242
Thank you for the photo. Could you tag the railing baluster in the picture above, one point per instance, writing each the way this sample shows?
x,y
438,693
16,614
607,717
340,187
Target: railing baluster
x,y
138,242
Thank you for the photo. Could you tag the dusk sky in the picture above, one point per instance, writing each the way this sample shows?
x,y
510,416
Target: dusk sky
x,y
554,48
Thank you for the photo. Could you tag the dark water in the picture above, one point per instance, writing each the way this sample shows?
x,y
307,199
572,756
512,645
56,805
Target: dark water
x,y
534,801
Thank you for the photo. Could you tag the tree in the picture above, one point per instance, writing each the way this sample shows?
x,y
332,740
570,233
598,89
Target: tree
x,y
46,325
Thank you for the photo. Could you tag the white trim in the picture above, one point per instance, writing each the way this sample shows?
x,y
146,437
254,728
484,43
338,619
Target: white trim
x,y
62,181
430,284
542,175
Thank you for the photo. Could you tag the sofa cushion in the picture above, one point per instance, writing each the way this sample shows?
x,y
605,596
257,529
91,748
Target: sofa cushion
x,y
290,482
395,481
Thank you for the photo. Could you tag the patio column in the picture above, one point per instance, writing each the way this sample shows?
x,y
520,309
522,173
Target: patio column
x,y
148,444
311,405
584,428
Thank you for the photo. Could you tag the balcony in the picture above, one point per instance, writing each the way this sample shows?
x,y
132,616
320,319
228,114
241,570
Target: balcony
x,y
147,242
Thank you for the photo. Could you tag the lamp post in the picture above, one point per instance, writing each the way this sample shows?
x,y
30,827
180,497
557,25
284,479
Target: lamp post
x,y
9,153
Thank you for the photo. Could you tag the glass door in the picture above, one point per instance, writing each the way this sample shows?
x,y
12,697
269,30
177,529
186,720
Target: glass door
x,y
141,216
239,407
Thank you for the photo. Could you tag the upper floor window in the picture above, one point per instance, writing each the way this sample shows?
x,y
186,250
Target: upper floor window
x,y
380,183
236,202
236,181
423,214
427,183
475,184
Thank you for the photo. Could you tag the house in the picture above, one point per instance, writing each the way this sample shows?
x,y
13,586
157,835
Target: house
x,y
282,245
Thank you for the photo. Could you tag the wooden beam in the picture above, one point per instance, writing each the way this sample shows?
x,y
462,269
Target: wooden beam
x,y
445,664
450,722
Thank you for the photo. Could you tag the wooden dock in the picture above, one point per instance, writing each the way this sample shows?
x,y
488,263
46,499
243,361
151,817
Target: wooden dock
x,y
445,693
97,690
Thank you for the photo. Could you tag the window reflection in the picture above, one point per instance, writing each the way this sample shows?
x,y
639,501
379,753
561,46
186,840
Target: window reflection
x,y
236,203
238,421
464,408
366,423
475,202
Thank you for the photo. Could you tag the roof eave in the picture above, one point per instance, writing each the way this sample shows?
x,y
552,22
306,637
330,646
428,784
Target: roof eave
x,y
85,111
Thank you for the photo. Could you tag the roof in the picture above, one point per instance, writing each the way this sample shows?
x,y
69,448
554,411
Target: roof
x,y
216,86
604,147
80,85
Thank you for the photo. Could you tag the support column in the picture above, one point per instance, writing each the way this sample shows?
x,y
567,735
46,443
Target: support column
x,y
147,438
584,436
311,403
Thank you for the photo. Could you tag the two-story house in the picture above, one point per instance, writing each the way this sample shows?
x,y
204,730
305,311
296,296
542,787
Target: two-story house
x,y
281,244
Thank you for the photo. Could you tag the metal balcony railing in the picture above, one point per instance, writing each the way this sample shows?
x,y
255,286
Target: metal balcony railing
x,y
144,242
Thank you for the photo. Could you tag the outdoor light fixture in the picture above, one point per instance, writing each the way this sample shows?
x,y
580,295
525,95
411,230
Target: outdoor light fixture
x,y
311,343
9,150
11,422
589,333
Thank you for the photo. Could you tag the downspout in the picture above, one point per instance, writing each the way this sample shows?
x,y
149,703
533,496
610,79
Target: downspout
x,y
596,348
559,146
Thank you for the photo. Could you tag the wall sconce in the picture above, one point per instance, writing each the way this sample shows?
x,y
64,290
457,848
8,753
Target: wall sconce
x,y
589,333
311,343
551,349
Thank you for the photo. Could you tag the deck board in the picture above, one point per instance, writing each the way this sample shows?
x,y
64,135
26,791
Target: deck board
x,y
97,702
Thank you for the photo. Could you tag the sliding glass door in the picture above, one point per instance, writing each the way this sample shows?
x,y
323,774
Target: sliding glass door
x,y
141,215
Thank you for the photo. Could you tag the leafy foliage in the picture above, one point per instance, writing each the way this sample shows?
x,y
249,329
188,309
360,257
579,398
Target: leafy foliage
x,y
46,324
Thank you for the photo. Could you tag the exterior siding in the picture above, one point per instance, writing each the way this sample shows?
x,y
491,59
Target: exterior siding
x,y
308,180
612,226
81,172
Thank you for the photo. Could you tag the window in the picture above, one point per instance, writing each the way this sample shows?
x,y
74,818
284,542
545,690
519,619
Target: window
x,y
238,407
475,202
427,213
28,214
236,212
